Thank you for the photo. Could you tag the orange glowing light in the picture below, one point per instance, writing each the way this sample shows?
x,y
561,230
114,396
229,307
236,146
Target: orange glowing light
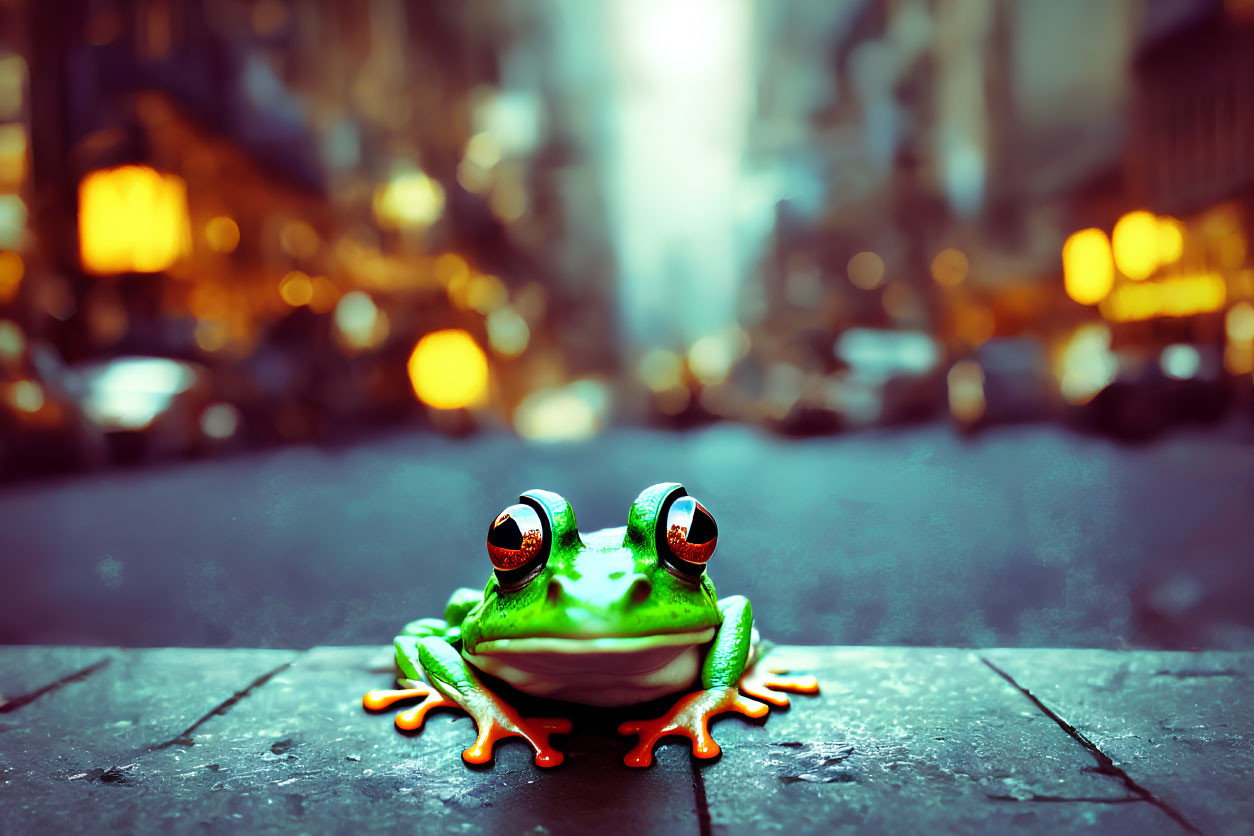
x,y
1135,243
132,219
222,234
449,370
950,267
296,289
1170,233
1087,266
12,269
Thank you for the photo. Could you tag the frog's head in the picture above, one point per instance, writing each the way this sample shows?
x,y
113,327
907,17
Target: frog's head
x,y
634,590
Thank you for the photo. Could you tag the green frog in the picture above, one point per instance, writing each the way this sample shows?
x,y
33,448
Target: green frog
x,y
609,618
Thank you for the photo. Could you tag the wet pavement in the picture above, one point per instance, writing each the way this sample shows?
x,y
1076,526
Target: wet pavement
x,y
900,740
1028,536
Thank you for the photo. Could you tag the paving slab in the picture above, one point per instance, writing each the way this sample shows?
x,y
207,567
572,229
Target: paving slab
x,y
906,738
302,753
1180,726
74,758
30,672
294,750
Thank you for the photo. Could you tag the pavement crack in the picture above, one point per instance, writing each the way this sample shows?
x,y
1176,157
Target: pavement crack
x,y
1105,765
185,737
703,803
17,702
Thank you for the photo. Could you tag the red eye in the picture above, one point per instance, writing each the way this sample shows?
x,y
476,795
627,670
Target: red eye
x,y
691,533
515,538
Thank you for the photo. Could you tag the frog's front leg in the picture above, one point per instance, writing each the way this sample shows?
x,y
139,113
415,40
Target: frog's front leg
x,y
722,677
454,683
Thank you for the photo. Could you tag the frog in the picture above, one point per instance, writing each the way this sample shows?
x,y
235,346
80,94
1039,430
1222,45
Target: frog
x,y
610,618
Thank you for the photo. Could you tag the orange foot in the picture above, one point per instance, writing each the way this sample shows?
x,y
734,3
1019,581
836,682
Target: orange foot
x,y
766,685
494,719
690,716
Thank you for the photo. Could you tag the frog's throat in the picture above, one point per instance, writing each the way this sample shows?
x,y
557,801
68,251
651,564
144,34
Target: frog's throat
x,y
593,644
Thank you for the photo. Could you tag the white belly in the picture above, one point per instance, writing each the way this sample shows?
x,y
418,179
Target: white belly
x,y
601,672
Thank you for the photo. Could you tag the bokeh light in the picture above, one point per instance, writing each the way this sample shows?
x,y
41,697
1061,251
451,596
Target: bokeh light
x,y
1088,269
1135,244
132,219
448,370
950,267
865,270
222,234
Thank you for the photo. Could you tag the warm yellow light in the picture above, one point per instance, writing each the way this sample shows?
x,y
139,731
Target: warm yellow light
x,y
950,267
1176,296
410,200
222,234
866,270
1135,242
296,289
1170,234
131,219
449,370
1088,272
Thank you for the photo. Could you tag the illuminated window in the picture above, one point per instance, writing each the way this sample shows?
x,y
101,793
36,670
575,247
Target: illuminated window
x,y
132,219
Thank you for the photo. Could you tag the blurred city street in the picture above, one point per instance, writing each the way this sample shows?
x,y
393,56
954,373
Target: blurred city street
x,y
942,310
1029,536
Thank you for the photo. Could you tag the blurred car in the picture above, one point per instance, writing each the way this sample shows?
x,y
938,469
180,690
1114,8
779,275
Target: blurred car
x,y
1183,383
889,377
151,407
1004,381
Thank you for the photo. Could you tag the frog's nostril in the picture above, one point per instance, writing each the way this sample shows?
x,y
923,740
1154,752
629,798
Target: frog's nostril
x,y
641,589
553,593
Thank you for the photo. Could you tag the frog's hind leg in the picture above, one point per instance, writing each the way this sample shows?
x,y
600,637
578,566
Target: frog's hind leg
x,y
455,684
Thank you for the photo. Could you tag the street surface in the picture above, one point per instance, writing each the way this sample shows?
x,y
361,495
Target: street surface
x,y
1029,536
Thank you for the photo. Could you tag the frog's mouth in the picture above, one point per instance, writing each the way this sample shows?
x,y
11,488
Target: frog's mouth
x,y
597,670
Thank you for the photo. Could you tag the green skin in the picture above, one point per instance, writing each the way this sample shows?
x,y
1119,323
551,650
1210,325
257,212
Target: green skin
x,y
609,583
598,574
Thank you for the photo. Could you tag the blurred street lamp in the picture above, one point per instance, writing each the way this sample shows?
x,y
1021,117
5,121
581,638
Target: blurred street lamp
x,y
1135,244
449,370
132,219
1087,267
410,200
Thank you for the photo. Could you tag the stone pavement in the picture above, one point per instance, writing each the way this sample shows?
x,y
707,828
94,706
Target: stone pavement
x,y
901,740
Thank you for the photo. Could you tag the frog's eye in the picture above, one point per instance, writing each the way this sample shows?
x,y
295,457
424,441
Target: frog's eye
x,y
690,536
515,538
